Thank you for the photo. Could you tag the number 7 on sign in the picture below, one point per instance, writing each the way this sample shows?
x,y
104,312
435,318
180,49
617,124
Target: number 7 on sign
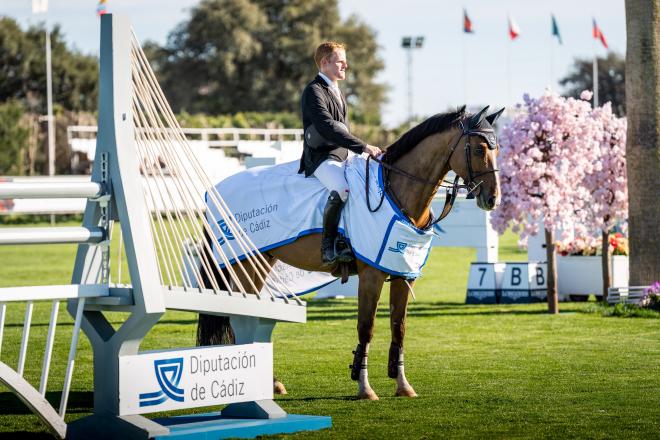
x,y
482,284
483,271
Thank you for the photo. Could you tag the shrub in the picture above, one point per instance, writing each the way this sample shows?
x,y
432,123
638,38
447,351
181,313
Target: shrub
x,y
651,298
622,310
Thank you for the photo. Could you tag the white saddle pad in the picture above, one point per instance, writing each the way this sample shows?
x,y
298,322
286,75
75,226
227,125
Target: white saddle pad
x,y
275,205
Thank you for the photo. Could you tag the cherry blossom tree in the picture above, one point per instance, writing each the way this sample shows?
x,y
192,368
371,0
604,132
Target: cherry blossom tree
x,y
547,150
607,182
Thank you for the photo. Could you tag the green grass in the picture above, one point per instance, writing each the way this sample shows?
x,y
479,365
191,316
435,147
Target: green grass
x,y
502,371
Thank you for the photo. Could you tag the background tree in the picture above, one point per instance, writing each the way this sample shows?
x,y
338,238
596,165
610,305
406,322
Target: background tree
x,y
23,70
611,80
209,62
546,150
365,96
23,90
643,144
257,55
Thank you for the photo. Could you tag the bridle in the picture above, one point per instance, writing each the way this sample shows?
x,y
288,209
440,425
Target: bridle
x,y
471,185
488,134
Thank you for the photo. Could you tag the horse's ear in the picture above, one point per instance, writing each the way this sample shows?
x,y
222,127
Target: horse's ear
x,y
476,119
494,116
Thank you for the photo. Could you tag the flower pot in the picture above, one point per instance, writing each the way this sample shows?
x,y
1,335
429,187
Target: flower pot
x,y
579,275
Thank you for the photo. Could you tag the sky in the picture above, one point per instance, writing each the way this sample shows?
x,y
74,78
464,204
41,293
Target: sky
x,y
452,68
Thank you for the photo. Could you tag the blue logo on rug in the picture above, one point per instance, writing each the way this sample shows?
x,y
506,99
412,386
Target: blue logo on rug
x,y
226,231
168,375
400,247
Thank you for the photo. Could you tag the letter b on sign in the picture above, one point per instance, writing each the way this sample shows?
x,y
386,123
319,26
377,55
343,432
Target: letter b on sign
x,y
539,288
515,276
524,282
540,277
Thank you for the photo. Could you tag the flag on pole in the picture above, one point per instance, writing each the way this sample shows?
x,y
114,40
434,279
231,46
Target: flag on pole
x,y
467,23
39,6
555,29
598,34
101,8
514,30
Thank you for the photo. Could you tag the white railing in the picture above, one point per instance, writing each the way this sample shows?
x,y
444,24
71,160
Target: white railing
x,y
14,378
627,295
215,137
24,201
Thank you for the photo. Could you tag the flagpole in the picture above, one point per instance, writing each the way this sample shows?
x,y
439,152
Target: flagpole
x,y
37,8
49,96
552,62
508,73
595,75
465,97
410,93
552,51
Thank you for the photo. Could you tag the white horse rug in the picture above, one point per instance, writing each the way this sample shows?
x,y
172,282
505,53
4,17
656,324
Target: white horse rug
x,y
275,205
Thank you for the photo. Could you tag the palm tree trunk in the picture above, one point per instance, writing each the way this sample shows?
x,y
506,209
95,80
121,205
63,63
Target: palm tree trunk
x,y
606,266
551,256
643,140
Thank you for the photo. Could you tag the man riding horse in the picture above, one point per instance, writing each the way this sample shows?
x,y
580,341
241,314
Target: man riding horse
x,y
409,175
328,143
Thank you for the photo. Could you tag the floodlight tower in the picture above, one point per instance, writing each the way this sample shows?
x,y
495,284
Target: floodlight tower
x,y
41,7
409,44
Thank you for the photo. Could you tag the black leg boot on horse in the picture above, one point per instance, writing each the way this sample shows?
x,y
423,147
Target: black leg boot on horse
x,y
330,253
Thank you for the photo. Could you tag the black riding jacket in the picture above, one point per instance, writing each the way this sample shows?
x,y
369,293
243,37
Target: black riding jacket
x,y
321,108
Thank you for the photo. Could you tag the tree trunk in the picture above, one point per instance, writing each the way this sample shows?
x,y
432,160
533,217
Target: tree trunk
x,y
551,256
643,141
606,266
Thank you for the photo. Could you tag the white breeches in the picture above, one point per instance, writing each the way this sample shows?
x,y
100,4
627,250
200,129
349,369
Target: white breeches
x,y
331,175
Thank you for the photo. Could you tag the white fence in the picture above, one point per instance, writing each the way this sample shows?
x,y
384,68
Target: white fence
x,y
626,295
258,142
223,151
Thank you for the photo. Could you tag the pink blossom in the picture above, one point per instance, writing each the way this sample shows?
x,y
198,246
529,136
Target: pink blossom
x,y
608,184
564,163
586,95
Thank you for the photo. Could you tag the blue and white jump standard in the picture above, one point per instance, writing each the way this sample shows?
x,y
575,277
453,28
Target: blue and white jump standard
x,y
129,383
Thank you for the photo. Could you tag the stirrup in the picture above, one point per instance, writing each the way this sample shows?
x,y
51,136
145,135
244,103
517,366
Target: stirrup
x,y
328,263
343,252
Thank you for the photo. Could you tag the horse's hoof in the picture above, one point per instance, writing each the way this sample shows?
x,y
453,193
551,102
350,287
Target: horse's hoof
x,y
406,392
367,395
278,387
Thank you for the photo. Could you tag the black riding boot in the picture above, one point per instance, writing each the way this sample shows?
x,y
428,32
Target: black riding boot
x,y
331,216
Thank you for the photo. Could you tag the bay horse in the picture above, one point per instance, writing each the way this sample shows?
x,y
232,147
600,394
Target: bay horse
x,y
414,168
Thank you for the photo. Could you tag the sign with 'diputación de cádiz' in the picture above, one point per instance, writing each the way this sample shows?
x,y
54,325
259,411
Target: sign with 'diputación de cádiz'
x,y
194,377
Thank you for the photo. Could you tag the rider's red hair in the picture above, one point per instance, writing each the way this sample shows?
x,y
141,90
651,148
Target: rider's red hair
x,y
326,49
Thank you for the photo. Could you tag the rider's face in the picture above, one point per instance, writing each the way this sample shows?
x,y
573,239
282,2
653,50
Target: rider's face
x,y
334,66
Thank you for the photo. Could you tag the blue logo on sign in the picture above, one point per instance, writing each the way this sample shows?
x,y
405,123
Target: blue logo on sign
x,y
400,247
226,231
168,375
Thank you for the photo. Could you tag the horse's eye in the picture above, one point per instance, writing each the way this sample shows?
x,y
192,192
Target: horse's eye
x,y
479,150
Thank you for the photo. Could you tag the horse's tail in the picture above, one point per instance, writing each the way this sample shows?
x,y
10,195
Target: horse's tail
x,y
212,329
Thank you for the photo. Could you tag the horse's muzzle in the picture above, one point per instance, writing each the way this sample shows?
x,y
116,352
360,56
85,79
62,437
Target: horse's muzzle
x,y
488,202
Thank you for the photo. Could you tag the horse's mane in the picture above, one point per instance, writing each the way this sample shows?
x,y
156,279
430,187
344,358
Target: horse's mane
x,y
434,124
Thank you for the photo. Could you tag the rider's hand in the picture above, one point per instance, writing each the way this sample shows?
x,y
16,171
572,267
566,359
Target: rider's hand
x,y
372,151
